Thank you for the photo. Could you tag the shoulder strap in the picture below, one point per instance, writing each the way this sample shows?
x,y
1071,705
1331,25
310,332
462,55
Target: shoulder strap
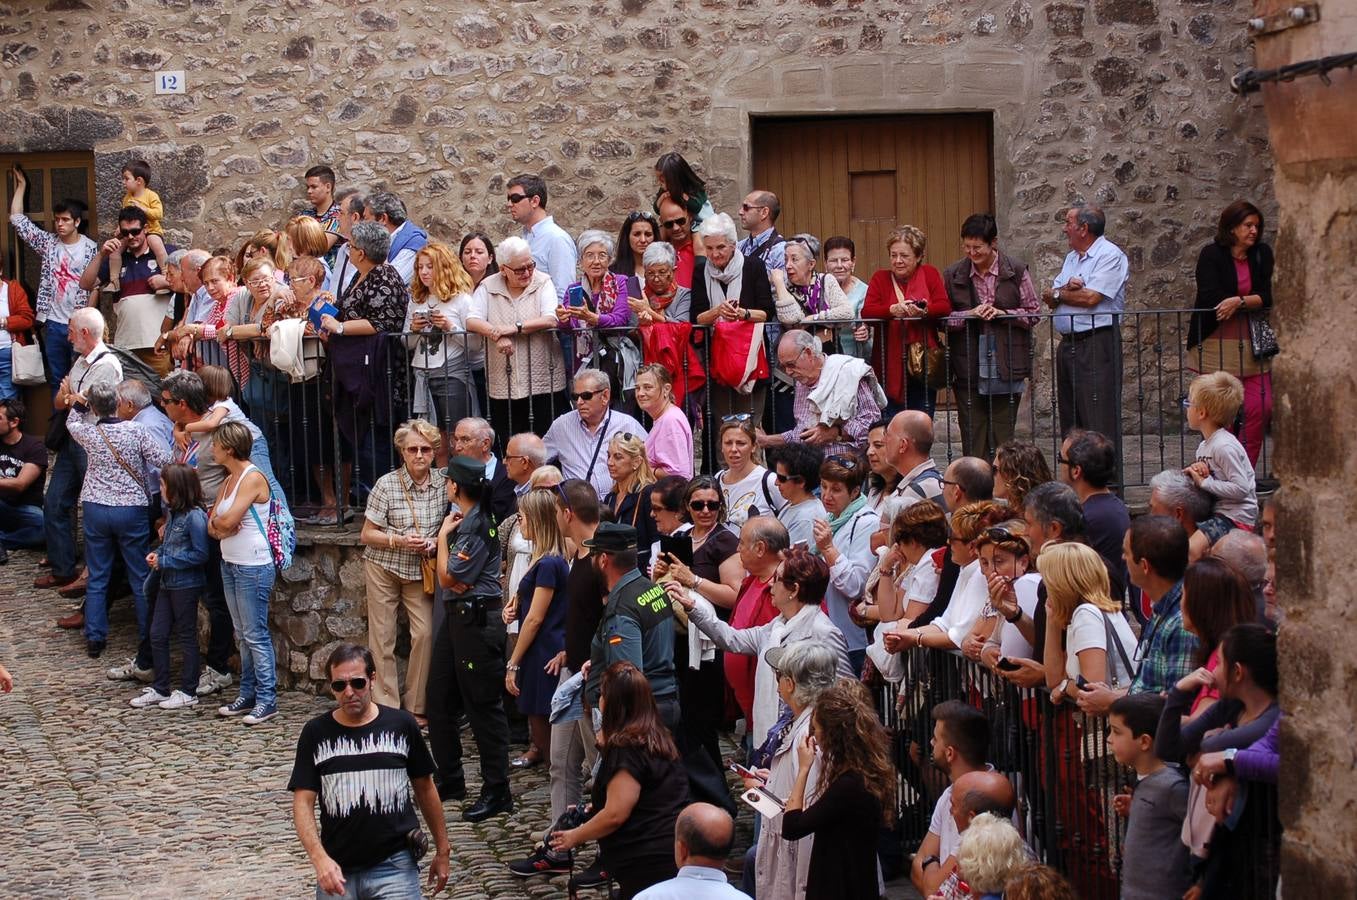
x,y
602,433
138,480
768,494
914,482
409,501
259,522
85,374
1114,640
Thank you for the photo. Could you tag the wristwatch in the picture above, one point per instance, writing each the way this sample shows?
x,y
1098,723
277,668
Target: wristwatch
x,y
1056,295
929,861
340,329
519,326
1016,618
1229,760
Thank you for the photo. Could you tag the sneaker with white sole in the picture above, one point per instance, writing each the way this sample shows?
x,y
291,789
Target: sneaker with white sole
x,y
260,714
212,681
236,707
130,672
179,700
148,697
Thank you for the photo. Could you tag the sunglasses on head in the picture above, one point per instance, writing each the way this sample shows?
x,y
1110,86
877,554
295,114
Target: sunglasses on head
x,y
1000,535
586,396
847,462
130,232
675,223
737,417
704,505
517,198
339,684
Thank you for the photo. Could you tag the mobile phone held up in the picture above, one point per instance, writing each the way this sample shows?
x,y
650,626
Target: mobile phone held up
x,y
574,295
744,772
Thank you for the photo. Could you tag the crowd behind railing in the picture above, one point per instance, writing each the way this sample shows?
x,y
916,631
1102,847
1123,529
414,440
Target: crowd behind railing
x,y
646,380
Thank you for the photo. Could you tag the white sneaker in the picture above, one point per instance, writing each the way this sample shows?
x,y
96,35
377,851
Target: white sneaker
x,y
130,672
212,681
179,700
149,697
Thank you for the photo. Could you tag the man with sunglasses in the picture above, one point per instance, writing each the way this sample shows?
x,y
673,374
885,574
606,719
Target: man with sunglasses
x,y
758,213
676,228
578,440
143,316
366,763
552,247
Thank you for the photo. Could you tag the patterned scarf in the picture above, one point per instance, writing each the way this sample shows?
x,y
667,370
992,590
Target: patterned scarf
x,y
810,296
606,298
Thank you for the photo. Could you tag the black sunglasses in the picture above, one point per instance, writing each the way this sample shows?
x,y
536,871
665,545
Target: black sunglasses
x,y
674,223
339,684
707,505
782,479
1064,461
517,198
586,396
130,232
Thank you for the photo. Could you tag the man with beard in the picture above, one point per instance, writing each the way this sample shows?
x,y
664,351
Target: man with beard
x,y
960,746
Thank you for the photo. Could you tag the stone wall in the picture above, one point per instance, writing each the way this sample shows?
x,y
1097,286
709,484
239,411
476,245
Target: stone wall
x,y
1125,102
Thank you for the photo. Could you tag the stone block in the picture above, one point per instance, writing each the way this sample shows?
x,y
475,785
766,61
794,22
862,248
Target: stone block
x,y
858,80
301,630
1114,75
918,77
1126,12
804,82
346,626
1065,19
994,79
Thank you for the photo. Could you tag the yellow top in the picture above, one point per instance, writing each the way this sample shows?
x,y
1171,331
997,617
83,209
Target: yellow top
x,y
155,211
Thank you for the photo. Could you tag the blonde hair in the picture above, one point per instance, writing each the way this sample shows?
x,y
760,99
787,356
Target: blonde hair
x,y
275,243
537,510
1073,574
991,850
634,447
908,234
545,476
449,278
1218,396
306,236
235,438
422,427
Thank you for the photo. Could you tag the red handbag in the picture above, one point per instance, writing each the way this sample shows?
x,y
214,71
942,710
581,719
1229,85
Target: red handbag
x,y
667,343
737,354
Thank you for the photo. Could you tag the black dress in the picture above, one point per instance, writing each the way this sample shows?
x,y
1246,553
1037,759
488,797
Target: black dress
x,y
702,691
845,820
641,852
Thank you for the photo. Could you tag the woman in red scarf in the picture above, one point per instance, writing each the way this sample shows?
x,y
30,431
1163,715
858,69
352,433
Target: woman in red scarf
x,y
662,298
911,295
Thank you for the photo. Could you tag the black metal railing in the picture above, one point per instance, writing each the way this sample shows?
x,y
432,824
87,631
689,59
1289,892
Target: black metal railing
x,y
330,432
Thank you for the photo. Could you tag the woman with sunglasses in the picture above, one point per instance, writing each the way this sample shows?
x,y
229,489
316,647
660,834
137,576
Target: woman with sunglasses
x,y
747,487
514,309
669,444
639,231
629,500
845,542
403,515
716,575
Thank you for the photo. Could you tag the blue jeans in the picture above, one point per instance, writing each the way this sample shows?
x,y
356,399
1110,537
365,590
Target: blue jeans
x,y
58,509
247,597
20,526
7,374
109,531
394,878
56,347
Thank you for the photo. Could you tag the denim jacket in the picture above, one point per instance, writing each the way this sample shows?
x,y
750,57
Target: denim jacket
x,y
184,552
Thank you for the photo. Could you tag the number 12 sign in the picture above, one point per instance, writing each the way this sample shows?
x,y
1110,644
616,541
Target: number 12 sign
x,y
169,82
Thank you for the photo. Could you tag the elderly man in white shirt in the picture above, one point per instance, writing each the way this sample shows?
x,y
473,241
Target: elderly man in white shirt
x,y
1088,297
703,835
578,440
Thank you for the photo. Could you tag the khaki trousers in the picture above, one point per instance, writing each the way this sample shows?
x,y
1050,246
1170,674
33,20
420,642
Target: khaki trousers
x,y
386,594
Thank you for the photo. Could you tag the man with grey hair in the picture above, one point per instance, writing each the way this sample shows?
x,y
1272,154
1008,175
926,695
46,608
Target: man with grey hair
x,y
837,397
352,205
1173,493
552,248
524,454
407,238
1246,553
1088,297
474,438
578,440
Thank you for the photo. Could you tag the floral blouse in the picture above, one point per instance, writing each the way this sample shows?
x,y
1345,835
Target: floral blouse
x,y
381,297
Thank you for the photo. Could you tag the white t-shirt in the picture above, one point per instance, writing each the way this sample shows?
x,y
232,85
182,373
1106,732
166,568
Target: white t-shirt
x,y
750,492
69,267
1087,632
799,520
968,601
1011,642
441,352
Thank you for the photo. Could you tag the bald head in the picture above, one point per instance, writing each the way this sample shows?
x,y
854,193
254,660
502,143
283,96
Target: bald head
x,y
524,454
981,791
703,836
909,439
971,478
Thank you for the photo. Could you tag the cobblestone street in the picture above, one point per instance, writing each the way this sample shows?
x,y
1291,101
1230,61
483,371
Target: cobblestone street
x,y
102,800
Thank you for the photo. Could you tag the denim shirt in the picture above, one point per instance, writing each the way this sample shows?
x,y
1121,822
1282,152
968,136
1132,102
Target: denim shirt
x,y
184,552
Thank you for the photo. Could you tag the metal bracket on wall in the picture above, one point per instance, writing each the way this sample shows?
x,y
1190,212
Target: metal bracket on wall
x,y
1300,14
1250,80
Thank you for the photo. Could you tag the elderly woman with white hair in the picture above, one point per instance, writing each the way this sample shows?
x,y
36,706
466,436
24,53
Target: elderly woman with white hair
x,y
599,301
991,851
662,298
728,288
514,309
802,295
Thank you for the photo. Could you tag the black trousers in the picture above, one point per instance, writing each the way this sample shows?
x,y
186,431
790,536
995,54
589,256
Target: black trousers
x,y
175,611
986,420
221,639
467,673
1088,375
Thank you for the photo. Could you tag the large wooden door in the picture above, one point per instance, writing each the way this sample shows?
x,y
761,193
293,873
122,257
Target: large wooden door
x,y
864,175
52,177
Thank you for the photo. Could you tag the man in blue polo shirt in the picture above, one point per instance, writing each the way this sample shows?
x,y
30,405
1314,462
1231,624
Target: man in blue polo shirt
x,y
142,315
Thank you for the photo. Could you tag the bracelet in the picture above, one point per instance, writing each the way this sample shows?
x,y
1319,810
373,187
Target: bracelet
x,y
919,638
390,541
697,579
1016,619
511,668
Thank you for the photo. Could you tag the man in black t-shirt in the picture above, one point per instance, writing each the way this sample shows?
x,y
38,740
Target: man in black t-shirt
x,y
1088,463
23,465
368,765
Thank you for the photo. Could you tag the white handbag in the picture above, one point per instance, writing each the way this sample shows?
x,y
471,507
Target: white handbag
x,y
26,365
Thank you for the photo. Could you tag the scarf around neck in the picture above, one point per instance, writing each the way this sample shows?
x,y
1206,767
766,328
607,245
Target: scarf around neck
x,y
724,284
849,511
810,296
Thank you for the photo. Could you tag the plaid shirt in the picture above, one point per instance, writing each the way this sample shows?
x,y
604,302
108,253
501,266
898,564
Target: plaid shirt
x,y
1167,650
855,429
389,510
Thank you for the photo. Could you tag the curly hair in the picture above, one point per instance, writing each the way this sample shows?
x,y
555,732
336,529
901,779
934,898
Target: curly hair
x,y
1035,881
990,850
1023,467
449,278
852,740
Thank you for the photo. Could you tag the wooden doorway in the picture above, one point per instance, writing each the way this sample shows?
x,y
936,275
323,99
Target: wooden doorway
x,y
52,177
864,175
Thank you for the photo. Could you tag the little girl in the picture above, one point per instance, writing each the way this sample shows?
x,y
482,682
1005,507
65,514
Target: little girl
x,y
217,384
181,562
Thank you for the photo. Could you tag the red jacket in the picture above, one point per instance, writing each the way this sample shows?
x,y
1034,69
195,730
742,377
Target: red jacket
x,y
924,284
20,313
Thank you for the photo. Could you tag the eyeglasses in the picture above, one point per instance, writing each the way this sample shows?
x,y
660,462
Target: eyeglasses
x,y
626,436
517,198
339,684
595,256
507,456
418,451
846,461
1001,535
526,269
297,279
130,232
258,282
675,223
796,360
746,207
586,396
704,505
1064,461
952,483
737,417
166,400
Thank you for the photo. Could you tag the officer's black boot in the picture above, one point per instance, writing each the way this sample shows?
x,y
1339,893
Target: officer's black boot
x,y
490,803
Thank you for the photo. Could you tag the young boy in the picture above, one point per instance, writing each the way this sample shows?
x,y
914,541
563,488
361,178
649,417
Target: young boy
x,y
136,178
1222,468
1155,859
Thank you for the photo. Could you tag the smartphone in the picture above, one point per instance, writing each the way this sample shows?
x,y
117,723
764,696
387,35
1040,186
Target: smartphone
x,y
679,545
1007,665
1082,683
574,295
763,801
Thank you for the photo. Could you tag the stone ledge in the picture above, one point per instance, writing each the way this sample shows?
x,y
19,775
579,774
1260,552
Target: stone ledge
x,y
330,535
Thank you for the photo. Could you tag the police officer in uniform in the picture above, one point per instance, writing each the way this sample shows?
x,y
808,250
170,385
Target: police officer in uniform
x,y
637,623
469,574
